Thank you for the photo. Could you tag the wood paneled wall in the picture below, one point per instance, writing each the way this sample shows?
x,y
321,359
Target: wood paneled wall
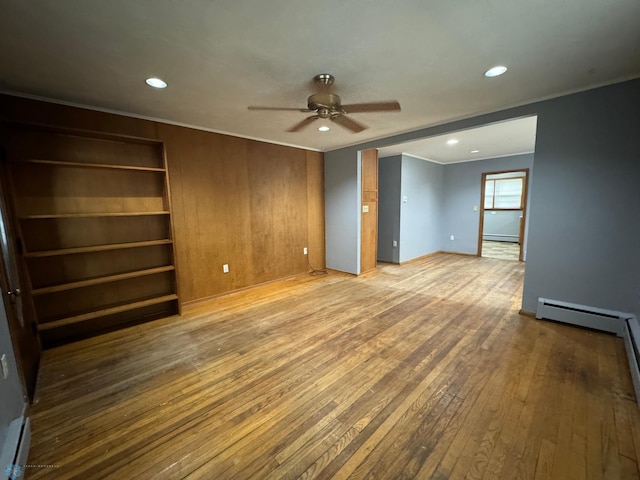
x,y
369,214
249,204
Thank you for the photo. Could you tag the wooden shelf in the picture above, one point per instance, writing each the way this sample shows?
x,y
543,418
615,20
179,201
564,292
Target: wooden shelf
x,y
80,133
105,312
96,248
101,280
60,163
90,215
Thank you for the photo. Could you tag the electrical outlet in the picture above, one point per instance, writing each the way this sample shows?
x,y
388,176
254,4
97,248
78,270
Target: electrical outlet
x,y
225,268
395,243
452,237
305,251
5,367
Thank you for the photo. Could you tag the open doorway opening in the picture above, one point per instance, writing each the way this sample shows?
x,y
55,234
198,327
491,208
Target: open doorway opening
x,y
503,215
430,197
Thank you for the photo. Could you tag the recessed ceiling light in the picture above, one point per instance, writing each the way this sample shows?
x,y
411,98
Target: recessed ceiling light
x,y
474,151
156,82
495,71
452,141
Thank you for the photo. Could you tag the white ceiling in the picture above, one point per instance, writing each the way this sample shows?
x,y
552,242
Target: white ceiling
x,y
219,56
491,141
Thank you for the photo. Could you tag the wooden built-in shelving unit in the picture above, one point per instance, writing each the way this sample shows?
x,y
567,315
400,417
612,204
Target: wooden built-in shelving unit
x,y
94,220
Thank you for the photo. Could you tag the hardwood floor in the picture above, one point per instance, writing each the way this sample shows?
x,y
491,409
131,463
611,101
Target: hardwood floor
x,y
423,370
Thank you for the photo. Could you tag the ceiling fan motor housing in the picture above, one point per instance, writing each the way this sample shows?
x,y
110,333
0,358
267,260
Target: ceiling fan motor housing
x,y
327,104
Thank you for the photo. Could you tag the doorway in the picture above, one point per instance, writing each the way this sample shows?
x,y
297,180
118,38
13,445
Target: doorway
x,y
503,214
15,294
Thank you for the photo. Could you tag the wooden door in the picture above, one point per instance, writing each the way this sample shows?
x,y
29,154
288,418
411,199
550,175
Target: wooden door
x,y
16,292
369,213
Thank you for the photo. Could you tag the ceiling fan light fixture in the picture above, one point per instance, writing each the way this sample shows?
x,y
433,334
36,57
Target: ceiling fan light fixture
x,y
156,82
328,107
452,141
495,71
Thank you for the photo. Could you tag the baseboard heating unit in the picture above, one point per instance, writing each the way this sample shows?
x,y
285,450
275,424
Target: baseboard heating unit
x,y
623,324
632,342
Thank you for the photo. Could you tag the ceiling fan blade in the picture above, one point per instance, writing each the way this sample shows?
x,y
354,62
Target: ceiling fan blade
x,y
288,109
300,125
391,106
346,122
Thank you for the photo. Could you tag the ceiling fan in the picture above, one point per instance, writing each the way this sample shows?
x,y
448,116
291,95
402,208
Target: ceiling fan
x,y
327,105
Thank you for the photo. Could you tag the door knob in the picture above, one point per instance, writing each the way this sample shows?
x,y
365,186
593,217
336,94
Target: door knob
x,y
15,292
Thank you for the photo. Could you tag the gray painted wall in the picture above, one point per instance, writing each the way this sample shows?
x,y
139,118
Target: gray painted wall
x,y
389,195
584,196
585,227
421,213
462,187
415,223
342,211
12,402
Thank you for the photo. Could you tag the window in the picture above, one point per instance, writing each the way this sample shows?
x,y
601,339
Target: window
x,y
503,194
